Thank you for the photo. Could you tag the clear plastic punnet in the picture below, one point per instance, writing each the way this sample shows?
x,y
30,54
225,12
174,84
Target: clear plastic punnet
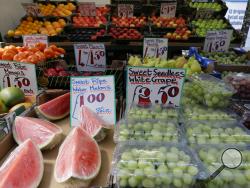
x,y
214,92
197,112
241,83
154,166
156,112
211,158
217,132
151,131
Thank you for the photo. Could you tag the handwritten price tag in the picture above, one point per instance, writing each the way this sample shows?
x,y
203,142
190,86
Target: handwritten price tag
x,y
125,10
22,75
32,40
97,93
217,41
168,9
87,9
155,47
90,57
148,86
31,9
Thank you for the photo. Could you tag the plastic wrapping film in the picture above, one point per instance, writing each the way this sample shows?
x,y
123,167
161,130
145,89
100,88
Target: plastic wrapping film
x,y
209,91
197,112
151,131
153,113
241,83
161,165
210,156
217,132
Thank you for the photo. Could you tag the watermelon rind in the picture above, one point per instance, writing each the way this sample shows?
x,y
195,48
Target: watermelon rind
x,y
45,115
50,144
75,178
13,155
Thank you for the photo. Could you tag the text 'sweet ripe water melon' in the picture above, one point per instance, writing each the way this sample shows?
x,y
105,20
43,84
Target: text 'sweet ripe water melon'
x,y
43,133
23,168
12,96
78,160
55,109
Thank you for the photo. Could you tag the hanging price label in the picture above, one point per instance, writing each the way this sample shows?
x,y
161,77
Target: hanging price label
x,y
97,93
90,57
31,9
87,9
155,47
125,10
22,75
204,13
32,40
217,41
148,86
168,10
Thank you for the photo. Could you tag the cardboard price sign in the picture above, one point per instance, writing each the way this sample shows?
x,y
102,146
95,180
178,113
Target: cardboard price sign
x,y
90,57
87,9
217,41
97,93
32,40
168,9
22,75
31,9
148,86
125,10
155,47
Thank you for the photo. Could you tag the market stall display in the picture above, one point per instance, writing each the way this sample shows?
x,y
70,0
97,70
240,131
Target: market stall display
x,y
155,143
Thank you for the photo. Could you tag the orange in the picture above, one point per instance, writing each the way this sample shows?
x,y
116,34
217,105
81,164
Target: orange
x,y
40,46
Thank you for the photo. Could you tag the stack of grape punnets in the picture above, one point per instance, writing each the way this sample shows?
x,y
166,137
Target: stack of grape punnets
x,y
198,112
216,132
151,131
155,166
210,155
208,90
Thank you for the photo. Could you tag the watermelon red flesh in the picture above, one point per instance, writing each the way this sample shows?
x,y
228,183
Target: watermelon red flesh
x,y
90,121
43,133
55,109
23,168
79,157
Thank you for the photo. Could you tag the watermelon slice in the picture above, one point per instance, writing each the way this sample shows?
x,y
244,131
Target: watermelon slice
x,y
79,158
92,124
43,133
23,168
55,109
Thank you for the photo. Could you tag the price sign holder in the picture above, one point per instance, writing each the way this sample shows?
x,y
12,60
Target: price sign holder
x,y
22,75
31,9
204,13
87,8
149,86
155,47
97,93
90,57
168,10
31,40
217,41
125,10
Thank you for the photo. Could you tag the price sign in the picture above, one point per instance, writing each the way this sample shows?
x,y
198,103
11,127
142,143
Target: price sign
x,y
97,93
90,57
148,86
168,9
87,9
217,41
31,9
125,10
204,13
32,40
22,75
155,47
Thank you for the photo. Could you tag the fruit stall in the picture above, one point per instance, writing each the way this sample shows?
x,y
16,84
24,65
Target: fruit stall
x,y
129,94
